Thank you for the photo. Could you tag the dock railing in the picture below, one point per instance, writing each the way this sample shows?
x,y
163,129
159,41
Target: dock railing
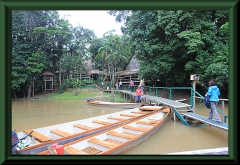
x,y
224,116
154,91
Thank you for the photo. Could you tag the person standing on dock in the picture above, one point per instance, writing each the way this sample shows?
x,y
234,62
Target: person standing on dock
x,y
102,84
120,85
213,93
131,84
142,85
107,86
138,94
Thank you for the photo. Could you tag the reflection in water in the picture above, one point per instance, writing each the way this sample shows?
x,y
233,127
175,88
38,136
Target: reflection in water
x,y
172,137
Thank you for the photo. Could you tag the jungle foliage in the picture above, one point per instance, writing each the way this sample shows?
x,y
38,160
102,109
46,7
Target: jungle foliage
x,y
170,46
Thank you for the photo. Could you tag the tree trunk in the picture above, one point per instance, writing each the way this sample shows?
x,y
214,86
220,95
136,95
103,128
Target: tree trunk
x,y
113,80
109,71
59,71
14,94
29,90
33,89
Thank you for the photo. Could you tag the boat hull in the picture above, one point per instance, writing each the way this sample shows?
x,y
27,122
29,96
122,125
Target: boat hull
x,y
133,143
118,140
77,129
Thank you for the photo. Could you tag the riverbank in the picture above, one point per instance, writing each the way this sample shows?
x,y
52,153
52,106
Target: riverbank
x,y
75,94
78,94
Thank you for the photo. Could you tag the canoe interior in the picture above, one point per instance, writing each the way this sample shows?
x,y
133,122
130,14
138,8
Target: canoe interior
x,y
118,140
63,131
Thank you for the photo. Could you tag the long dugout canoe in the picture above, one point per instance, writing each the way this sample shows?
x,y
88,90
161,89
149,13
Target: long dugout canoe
x,y
118,140
64,133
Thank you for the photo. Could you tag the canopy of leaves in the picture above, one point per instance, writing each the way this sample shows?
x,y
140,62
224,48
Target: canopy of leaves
x,y
172,45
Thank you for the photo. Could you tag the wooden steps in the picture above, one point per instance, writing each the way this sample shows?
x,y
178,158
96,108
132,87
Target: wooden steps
x,y
102,143
101,122
135,128
121,135
38,136
147,122
83,126
61,133
117,118
73,151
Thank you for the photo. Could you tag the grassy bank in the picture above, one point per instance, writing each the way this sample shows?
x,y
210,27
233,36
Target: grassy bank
x,y
76,94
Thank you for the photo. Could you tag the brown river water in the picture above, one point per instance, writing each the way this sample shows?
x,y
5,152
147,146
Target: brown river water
x,y
172,137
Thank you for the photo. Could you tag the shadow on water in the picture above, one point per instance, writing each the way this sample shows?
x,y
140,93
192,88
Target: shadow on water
x,y
172,137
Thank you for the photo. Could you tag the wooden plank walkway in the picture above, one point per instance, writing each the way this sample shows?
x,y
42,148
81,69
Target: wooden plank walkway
x,y
171,103
203,119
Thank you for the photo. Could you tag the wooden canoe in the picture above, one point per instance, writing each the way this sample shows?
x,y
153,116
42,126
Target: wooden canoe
x,y
63,133
118,140
114,104
150,108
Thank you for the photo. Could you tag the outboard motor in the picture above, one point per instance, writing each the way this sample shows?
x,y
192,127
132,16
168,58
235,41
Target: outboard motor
x,y
14,138
16,149
88,99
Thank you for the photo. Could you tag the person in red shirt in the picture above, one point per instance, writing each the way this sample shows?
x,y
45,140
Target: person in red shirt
x,y
138,94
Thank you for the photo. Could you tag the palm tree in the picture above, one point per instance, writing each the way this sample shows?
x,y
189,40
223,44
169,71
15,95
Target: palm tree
x,y
110,53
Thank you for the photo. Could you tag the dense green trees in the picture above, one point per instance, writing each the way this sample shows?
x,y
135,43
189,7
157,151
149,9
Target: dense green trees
x,y
44,42
171,45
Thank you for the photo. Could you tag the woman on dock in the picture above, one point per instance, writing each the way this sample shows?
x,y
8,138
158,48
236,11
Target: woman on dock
x,y
213,93
131,85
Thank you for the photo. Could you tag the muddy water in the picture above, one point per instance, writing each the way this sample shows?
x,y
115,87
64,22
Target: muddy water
x,y
172,137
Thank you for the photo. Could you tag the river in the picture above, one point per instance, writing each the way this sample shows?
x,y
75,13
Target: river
x,y
172,137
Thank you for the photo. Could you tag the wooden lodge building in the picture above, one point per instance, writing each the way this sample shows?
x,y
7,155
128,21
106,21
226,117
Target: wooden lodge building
x,y
130,73
49,82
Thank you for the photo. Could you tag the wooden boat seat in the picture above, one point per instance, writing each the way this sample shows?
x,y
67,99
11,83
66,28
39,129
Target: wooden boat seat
x,y
129,115
139,112
83,126
117,118
102,143
92,151
135,128
121,135
73,151
101,122
147,122
165,110
113,141
61,133
38,136
128,133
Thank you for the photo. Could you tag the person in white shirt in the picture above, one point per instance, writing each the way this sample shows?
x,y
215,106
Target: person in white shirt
x,y
142,85
120,85
102,84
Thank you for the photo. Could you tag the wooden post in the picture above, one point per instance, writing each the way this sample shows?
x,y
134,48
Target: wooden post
x,y
52,83
194,87
223,114
45,84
